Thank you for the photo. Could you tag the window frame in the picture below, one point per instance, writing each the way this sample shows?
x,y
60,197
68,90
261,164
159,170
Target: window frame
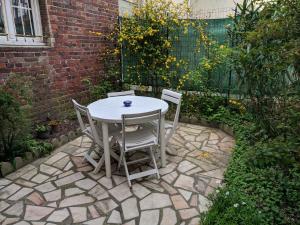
x,y
11,38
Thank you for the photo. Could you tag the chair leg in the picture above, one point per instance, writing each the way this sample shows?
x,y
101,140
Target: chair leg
x,y
99,165
90,150
126,169
154,162
120,159
81,142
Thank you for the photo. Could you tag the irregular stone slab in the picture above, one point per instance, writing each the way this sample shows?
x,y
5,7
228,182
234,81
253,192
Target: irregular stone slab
x,y
194,221
68,166
69,179
168,169
115,217
218,173
188,213
106,205
55,158
25,183
140,191
73,191
169,178
155,200
45,187
131,222
79,214
194,201
48,169
79,161
37,212
36,198
98,221
169,188
67,173
130,209
121,192
59,216
185,166
22,223
179,202
39,178
53,205
203,203
20,172
213,136
185,182
53,196
118,179
99,193
62,162
10,220
186,194
86,184
169,217
153,186
3,205
149,217
193,171
76,200
4,182
20,194
106,182
93,211
8,191
16,209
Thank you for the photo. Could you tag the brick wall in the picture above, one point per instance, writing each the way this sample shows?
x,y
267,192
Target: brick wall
x,y
57,71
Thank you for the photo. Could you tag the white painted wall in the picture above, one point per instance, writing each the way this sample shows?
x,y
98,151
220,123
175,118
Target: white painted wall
x,y
213,9
201,8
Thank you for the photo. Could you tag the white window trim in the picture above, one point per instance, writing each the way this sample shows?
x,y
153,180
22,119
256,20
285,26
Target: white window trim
x,y
10,38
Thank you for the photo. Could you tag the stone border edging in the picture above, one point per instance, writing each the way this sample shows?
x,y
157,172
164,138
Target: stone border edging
x,y
18,162
222,126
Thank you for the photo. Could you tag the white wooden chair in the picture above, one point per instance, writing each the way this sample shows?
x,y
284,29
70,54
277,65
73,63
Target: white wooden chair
x,y
91,131
121,93
175,98
145,138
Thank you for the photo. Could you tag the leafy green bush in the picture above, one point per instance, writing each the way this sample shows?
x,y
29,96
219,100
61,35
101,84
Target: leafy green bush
x,y
234,207
14,127
38,148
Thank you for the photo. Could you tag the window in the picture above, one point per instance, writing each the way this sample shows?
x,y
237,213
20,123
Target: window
x,y
20,23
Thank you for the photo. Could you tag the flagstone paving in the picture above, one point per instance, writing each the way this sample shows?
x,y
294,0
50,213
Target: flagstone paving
x,y
62,188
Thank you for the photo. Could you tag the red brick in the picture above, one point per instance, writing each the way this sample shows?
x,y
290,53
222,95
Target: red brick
x,y
58,71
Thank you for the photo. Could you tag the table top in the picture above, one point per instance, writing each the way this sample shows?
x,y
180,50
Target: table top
x,y
111,109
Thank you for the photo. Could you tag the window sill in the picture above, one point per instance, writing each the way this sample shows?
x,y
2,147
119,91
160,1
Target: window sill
x,y
24,45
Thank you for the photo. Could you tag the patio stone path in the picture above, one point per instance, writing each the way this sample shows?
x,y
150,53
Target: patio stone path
x,y
62,188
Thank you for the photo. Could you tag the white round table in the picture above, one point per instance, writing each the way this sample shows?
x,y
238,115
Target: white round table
x,y
110,110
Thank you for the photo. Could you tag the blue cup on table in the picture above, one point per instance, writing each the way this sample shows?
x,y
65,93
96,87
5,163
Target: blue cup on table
x,y
127,103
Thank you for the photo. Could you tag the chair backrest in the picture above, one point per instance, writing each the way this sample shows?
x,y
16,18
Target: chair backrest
x,y
121,93
141,118
174,97
84,111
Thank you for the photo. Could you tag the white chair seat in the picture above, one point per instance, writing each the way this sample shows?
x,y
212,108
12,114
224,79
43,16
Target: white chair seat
x,y
143,137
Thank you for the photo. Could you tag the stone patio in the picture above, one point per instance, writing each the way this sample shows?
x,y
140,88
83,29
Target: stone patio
x,y
62,189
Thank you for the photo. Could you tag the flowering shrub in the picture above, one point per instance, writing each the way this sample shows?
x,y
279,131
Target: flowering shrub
x,y
148,36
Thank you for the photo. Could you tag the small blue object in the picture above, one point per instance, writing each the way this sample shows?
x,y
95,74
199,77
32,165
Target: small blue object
x,y
127,103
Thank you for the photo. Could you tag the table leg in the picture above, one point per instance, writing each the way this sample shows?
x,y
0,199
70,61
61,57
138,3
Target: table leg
x,y
106,149
163,141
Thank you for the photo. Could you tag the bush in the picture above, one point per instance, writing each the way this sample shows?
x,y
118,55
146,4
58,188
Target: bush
x,y
38,148
263,172
234,207
14,127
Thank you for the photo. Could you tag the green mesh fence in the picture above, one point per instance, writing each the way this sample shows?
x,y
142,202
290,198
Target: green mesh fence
x,y
221,79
